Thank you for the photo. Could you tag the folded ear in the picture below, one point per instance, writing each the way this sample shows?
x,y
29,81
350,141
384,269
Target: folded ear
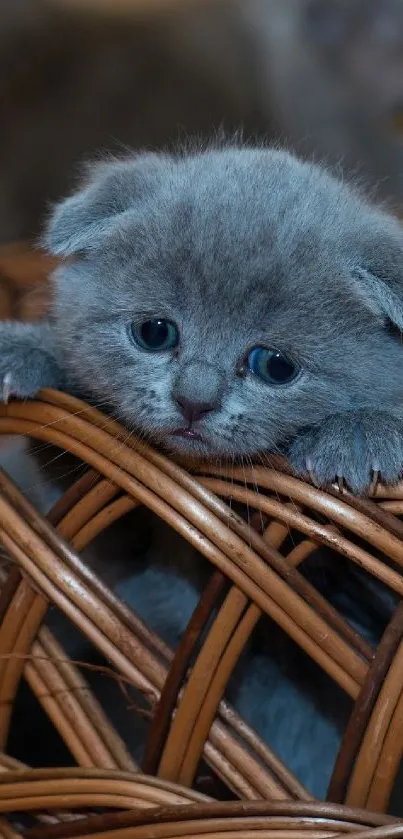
x,y
111,190
378,271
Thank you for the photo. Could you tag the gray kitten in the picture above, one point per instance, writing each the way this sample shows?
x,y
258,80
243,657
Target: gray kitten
x,y
226,303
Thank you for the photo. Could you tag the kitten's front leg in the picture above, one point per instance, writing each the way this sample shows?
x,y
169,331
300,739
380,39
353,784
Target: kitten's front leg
x,y
27,359
353,447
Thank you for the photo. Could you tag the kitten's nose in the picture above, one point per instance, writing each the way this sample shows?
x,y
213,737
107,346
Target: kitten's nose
x,y
192,411
198,389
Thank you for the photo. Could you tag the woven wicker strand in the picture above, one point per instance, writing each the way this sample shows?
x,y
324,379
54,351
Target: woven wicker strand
x,y
264,820
252,575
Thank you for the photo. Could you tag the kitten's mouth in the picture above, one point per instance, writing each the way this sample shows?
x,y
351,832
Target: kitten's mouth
x,y
188,434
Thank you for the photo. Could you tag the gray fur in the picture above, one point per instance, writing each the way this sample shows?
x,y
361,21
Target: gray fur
x,y
240,247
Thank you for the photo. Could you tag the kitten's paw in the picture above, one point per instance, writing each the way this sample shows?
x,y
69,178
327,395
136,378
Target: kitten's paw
x,y
26,361
24,371
355,449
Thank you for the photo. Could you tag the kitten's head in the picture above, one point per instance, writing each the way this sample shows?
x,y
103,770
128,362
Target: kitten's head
x,y
223,300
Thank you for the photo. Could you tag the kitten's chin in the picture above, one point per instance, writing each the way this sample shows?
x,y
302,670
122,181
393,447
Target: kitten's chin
x,y
192,446
198,448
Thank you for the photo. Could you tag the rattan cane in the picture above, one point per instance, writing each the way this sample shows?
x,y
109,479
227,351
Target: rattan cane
x,y
189,717
251,574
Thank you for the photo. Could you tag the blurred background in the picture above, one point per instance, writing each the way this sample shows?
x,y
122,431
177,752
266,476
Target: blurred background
x,y
81,77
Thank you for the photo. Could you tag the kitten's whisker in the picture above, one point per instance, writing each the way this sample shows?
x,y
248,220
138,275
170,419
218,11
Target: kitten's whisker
x,y
232,476
247,502
257,490
39,447
264,458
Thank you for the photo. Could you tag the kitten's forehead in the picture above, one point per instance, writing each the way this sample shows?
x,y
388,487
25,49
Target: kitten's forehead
x,y
249,226
262,205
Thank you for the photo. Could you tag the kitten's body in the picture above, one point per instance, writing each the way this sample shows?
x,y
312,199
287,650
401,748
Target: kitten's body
x,y
242,248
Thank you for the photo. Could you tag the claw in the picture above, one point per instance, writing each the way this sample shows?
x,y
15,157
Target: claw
x,y
310,472
374,482
341,483
7,382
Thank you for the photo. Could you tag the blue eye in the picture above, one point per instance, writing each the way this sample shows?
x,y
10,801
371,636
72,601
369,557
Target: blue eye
x,y
272,366
156,335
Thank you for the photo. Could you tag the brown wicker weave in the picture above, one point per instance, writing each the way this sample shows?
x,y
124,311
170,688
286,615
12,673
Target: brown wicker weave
x,y
189,717
251,575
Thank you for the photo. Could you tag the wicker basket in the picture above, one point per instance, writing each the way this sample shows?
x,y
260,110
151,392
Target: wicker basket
x,y
184,689
251,574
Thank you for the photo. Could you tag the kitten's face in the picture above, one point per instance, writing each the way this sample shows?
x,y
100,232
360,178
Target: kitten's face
x,y
221,316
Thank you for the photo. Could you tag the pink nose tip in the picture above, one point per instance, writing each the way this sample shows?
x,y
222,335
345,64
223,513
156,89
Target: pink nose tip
x,y
192,410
